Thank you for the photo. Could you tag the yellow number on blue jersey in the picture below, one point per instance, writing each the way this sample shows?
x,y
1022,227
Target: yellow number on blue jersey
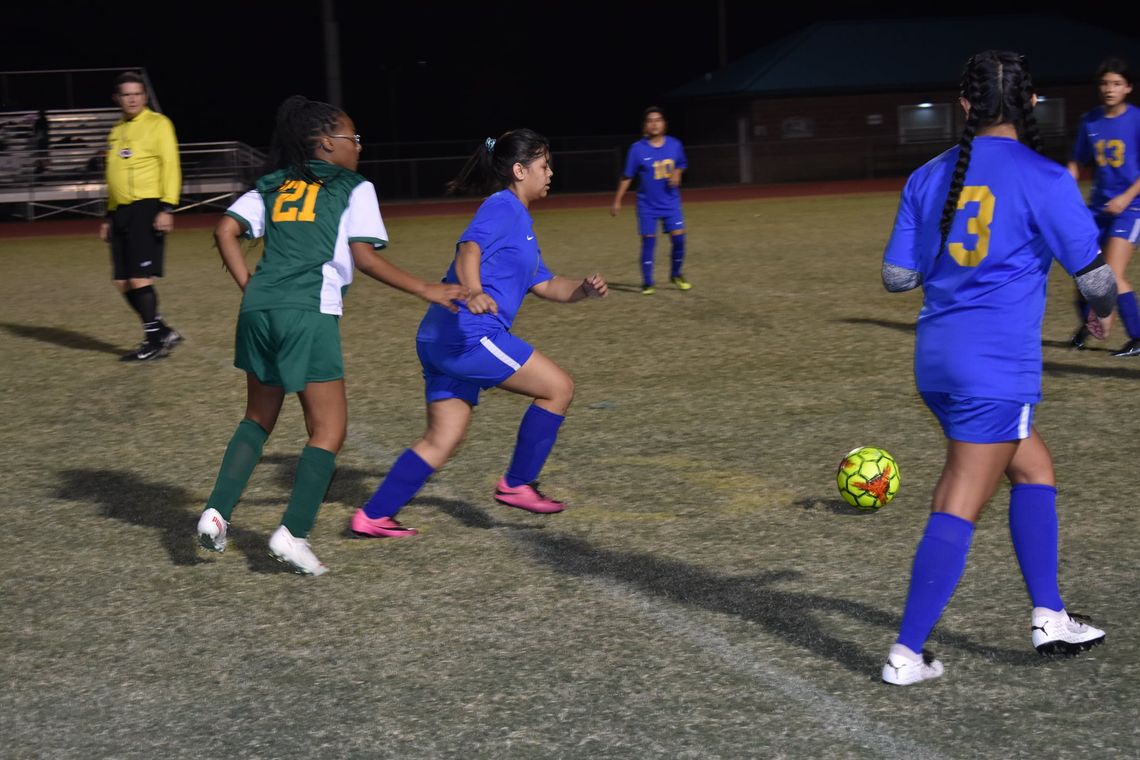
x,y
290,192
1110,153
663,169
977,225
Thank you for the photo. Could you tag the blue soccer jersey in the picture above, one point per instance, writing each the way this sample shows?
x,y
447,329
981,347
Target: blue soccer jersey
x,y
652,167
979,330
1112,146
510,265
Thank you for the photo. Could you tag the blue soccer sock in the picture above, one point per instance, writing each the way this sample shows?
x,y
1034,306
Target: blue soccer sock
x,y
1083,308
678,254
1033,528
1129,314
648,245
939,562
537,433
408,474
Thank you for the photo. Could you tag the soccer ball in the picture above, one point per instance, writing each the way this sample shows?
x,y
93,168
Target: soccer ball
x,y
868,478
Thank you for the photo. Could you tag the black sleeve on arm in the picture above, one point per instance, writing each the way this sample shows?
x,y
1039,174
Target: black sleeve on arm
x,y
1097,284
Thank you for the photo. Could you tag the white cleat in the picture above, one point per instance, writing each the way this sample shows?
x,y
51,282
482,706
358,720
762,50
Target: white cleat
x,y
1062,633
212,530
295,552
904,667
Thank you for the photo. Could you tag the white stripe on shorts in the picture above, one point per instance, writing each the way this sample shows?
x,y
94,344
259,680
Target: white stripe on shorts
x,y
1135,232
1023,422
498,353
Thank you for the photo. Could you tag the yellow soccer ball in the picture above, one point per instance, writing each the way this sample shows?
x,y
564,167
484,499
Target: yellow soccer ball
x,y
868,478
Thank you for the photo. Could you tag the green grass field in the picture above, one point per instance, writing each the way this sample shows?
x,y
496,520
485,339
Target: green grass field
x,y
706,595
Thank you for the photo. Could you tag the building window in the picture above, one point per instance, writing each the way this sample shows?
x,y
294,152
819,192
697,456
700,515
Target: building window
x,y
796,127
926,122
1050,113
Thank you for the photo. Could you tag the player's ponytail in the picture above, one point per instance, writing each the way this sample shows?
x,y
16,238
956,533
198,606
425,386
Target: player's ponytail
x,y
491,166
300,124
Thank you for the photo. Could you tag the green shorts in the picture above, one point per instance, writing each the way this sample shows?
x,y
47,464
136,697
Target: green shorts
x,y
289,348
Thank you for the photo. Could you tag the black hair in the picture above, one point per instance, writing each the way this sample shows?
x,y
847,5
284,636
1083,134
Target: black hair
x,y
300,124
491,166
998,86
1114,66
652,109
129,77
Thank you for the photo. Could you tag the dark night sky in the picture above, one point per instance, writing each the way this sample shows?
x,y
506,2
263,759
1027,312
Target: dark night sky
x,y
419,71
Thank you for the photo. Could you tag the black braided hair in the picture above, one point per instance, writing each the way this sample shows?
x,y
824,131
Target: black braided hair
x,y
300,123
491,166
999,88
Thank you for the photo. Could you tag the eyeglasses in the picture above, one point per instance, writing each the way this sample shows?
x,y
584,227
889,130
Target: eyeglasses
x,y
354,138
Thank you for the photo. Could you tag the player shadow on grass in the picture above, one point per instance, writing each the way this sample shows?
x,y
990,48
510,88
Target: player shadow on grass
x,y
754,598
172,510
1126,373
61,337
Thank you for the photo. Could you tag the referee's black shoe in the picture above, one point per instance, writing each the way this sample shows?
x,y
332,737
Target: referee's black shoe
x,y
1079,338
1131,348
146,352
172,338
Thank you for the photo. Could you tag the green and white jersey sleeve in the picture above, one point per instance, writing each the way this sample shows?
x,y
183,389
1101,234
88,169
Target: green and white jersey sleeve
x,y
308,229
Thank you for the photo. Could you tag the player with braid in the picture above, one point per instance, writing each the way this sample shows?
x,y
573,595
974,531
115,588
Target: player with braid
x,y
463,353
319,219
1109,138
978,228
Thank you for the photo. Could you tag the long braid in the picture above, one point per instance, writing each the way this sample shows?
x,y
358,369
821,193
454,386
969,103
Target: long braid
x,y
971,89
300,123
1029,130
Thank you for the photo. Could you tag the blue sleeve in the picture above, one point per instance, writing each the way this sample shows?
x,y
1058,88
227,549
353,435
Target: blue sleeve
x,y
682,161
1082,150
901,248
1067,225
541,273
630,162
488,228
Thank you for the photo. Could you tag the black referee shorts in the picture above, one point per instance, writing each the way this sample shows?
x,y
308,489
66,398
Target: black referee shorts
x,y
137,249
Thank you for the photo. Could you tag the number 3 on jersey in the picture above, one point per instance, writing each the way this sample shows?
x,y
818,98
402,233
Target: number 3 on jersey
x,y
287,209
978,224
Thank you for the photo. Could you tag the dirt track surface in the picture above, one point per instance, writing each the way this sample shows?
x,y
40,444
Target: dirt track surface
x,y
396,210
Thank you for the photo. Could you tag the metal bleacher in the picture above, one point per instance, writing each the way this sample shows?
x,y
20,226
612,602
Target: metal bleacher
x,y
67,178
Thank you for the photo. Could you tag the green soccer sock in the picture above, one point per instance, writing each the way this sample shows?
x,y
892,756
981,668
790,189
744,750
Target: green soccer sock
x,y
311,483
242,455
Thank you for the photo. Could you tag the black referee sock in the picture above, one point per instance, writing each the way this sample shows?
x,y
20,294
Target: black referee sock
x,y
144,300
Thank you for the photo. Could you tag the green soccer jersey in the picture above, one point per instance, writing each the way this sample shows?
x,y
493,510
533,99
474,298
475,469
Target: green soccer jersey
x,y
308,228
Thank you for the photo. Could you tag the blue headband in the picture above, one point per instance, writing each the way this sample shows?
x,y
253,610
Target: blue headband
x,y
490,143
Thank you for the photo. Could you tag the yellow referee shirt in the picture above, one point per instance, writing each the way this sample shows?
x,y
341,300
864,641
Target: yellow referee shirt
x,y
142,161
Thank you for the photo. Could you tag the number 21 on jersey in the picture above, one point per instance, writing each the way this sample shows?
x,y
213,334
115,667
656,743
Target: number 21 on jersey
x,y
289,208
977,225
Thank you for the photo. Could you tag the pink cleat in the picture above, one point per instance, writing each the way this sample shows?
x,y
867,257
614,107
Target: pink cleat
x,y
380,527
526,497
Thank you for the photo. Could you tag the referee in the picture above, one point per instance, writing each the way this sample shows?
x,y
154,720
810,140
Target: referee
x,y
144,180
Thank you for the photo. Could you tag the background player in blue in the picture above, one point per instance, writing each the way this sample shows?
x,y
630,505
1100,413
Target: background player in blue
x,y
978,228
657,161
320,219
1108,138
498,259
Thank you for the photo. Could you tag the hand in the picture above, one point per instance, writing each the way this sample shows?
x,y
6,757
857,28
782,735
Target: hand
x,y
481,303
105,231
614,209
1096,326
674,180
164,221
445,294
595,286
1118,205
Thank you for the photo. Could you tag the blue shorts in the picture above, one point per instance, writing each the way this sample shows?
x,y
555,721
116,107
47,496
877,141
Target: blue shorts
x,y
1125,225
671,221
463,371
980,420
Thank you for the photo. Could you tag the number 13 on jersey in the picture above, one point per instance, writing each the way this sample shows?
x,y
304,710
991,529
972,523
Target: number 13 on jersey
x,y
977,225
